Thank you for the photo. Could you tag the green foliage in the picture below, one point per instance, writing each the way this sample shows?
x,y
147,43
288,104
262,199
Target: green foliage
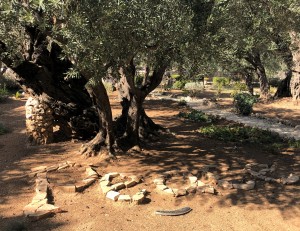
x,y
238,87
238,133
243,103
194,86
175,76
196,116
108,86
179,84
3,130
138,80
17,95
3,93
219,83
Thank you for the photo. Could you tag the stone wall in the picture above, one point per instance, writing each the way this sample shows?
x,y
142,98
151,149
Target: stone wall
x,y
39,121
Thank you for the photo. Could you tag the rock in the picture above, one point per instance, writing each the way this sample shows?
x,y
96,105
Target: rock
x,y
159,181
193,179
69,188
225,184
113,195
200,184
129,184
124,198
179,192
106,189
104,183
42,175
118,186
49,208
210,190
112,175
168,191
91,172
191,189
291,179
138,198
71,163
248,186
39,169
39,215
136,178
52,168
161,187
89,181
40,196
63,166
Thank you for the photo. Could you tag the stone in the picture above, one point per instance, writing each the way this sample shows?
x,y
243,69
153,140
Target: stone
x,y
104,183
49,208
52,168
71,163
129,184
168,191
193,179
39,169
89,181
38,215
210,190
42,175
138,198
135,178
191,189
200,184
91,172
118,186
106,189
112,175
179,192
161,187
40,196
63,166
123,198
113,195
248,186
159,181
41,188
225,184
69,188
291,179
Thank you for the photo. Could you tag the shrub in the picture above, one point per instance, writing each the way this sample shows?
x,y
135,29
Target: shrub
x,y
194,86
179,84
196,116
243,103
217,81
108,86
238,87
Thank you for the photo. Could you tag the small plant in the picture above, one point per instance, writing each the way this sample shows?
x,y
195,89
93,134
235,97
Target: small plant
x,y
17,95
238,87
196,116
243,103
179,84
3,93
3,130
108,86
219,83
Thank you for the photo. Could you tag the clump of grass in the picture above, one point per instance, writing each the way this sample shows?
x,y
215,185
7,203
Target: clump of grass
x,y
3,130
196,116
237,133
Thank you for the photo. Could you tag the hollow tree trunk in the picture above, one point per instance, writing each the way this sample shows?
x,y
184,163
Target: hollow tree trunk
x,y
134,124
284,89
42,76
255,60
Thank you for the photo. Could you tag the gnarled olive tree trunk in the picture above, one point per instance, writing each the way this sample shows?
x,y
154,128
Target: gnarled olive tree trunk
x,y
255,60
59,108
133,123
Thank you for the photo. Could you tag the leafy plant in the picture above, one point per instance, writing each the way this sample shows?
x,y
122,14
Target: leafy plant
x,y
3,93
238,87
179,84
108,86
243,103
196,116
219,83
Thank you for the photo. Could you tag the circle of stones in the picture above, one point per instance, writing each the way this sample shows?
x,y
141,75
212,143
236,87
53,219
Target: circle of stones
x,y
111,191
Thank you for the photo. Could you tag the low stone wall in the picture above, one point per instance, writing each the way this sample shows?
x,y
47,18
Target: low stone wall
x,y
39,121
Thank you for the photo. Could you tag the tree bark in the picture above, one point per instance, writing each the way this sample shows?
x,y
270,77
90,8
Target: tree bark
x,y
42,75
134,124
255,60
284,89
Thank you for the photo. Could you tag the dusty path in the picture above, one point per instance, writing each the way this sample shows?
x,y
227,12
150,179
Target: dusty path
x,y
267,207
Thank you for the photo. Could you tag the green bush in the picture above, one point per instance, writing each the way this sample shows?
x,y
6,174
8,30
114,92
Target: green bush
x,y
243,103
179,84
238,87
223,81
196,116
108,86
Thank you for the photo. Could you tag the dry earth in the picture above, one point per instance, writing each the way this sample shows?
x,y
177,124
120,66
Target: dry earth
x,y
267,207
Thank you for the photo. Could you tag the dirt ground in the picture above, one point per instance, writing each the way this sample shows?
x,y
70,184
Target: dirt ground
x,y
268,207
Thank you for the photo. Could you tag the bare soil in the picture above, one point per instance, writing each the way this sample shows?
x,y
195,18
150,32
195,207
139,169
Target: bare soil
x,y
267,207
